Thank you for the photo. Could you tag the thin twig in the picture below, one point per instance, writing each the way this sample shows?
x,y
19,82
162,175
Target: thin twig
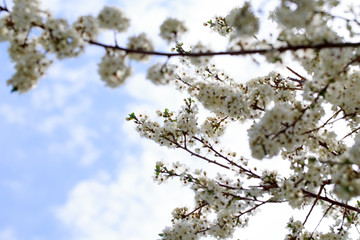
x,y
195,154
353,131
327,121
196,209
301,77
247,171
315,201
327,210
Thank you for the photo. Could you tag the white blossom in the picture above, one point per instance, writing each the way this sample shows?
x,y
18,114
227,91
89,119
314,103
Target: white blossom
x,y
113,69
243,21
171,29
161,74
87,27
29,68
61,39
296,16
114,19
25,14
5,32
200,61
142,43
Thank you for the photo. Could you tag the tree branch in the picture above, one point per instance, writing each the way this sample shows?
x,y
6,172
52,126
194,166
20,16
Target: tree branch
x,y
312,207
334,202
231,53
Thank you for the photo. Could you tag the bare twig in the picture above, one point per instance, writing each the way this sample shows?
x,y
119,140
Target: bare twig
x,y
353,131
303,79
327,121
315,201
196,209
327,210
247,171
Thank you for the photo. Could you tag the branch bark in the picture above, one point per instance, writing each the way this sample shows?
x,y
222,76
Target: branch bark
x,y
231,53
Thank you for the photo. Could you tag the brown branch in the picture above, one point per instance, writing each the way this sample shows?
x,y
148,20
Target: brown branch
x,y
353,131
312,207
327,121
320,93
231,53
196,209
327,210
195,154
334,202
188,84
301,77
247,171
324,145
252,209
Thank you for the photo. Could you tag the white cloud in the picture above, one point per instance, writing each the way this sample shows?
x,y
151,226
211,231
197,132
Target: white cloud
x,y
80,139
13,114
66,118
65,83
7,234
143,90
127,206
73,9
16,186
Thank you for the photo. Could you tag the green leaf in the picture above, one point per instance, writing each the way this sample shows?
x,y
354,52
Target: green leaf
x,y
132,116
166,113
348,218
157,170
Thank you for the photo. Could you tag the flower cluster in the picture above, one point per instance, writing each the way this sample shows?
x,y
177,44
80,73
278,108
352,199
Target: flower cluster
x,y
5,32
87,27
223,100
298,18
61,39
25,14
161,74
175,131
171,29
142,43
243,20
29,68
113,69
114,19
200,61
213,127
219,25
273,133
